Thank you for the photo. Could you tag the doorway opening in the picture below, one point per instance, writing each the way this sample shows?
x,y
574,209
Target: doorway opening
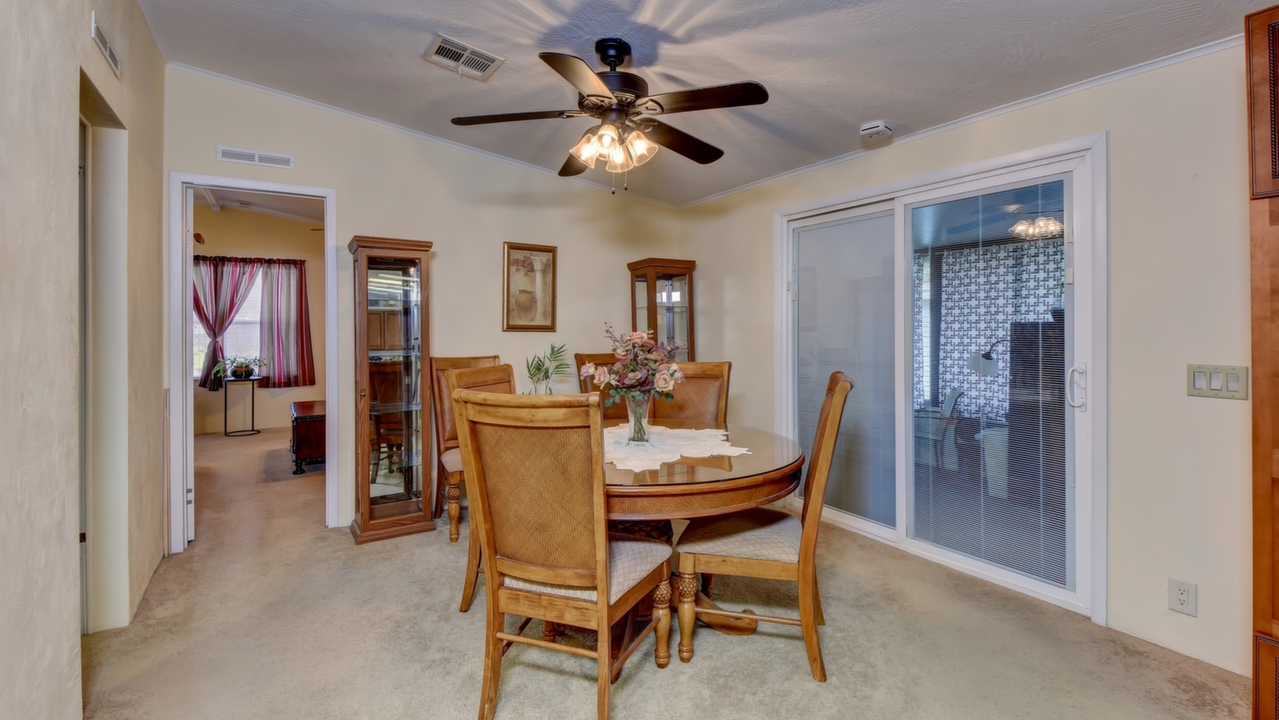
x,y
253,326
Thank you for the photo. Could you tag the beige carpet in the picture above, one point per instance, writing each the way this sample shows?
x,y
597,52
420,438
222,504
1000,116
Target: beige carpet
x,y
269,615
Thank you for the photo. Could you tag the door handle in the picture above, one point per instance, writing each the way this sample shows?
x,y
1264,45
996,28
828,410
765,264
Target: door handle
x,y
1081,383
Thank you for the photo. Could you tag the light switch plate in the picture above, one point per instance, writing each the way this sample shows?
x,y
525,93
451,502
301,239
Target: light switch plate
x,y
1224,377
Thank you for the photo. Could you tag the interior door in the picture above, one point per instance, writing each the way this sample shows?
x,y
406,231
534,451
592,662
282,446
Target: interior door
x,y
188,230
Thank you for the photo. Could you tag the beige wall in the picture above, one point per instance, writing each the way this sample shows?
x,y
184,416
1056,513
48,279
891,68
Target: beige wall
x,y
45,45
249,234
394,184
1179,466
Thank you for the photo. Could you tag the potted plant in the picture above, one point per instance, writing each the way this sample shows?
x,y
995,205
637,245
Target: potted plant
x,y
542,369
240,367
644,369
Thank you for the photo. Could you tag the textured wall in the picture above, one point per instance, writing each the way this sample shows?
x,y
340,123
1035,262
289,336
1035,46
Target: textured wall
x,y
248,234
394,184
39,556
1179,466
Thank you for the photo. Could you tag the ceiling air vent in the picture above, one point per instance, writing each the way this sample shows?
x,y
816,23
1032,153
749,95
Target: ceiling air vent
x,y
253,157
462,58
100,39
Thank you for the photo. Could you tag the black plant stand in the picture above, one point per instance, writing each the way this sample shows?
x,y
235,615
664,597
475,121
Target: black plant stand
x,y
226,391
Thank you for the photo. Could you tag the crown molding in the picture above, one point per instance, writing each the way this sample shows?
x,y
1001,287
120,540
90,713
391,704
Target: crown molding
x,y
1141,68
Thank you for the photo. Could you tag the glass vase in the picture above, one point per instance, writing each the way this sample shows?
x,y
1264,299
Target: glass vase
x,y
637,418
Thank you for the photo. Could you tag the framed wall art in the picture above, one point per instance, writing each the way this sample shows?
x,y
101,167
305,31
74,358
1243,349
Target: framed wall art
x,y
528,287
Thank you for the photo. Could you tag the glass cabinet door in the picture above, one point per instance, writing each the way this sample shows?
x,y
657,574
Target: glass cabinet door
x,y
672,312
394,419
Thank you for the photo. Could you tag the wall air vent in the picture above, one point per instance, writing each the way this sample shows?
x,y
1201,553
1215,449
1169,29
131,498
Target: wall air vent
x,y
253,157
462,58
100,39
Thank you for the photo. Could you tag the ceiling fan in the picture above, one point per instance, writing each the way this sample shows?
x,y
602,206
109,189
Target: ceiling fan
x,y
628,127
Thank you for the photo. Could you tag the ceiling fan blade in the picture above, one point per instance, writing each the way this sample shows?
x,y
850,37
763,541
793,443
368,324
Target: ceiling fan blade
x,y
575,70
514,117
572,166
681,142
707,98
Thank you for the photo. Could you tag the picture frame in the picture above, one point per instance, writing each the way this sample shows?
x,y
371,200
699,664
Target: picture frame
x,y
528,287
1262,40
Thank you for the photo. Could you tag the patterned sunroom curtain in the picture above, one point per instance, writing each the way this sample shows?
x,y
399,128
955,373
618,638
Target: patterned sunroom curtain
x,y
286,325
222,285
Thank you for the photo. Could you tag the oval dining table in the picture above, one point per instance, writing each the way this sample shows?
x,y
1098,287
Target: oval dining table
x,y
701,486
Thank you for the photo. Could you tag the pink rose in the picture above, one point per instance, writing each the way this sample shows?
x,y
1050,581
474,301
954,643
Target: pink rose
x,y
601,377
637,337
663,383
587,370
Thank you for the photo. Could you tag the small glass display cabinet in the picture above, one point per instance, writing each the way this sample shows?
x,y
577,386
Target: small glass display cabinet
x,y
662,301
391,380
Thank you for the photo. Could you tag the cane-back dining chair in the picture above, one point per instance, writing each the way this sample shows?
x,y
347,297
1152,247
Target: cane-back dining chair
x,y
534,473
701,400
497,379
768,544
616,411
448,484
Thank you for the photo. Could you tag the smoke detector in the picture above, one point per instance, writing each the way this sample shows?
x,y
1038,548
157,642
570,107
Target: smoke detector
x,y
876,130
462,58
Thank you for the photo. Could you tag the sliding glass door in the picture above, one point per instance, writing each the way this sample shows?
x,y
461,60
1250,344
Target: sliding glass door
x,y
845,313
990,355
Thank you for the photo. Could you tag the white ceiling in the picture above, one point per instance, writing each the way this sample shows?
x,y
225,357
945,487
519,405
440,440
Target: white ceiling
x,y
829,65
293,207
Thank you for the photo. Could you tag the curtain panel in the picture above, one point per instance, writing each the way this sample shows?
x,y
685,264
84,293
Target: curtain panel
x,y
221,286
286,325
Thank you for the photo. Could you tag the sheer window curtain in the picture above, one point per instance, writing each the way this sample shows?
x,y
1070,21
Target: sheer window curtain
x,y
221,286
286,325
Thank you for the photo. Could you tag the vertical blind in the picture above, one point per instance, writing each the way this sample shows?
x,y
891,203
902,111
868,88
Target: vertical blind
x,y
989,317
845,322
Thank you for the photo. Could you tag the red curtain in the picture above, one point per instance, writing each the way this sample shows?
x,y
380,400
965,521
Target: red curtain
x,y
286,325
221,286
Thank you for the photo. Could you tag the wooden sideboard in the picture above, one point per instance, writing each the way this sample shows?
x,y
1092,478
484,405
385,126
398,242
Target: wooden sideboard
x,y
307,446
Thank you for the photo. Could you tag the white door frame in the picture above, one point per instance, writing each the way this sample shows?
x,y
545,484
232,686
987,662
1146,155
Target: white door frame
x,y
181,391
1085,162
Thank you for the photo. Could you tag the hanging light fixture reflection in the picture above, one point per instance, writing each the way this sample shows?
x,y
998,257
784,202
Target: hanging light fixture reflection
x,y
1043,228
620,147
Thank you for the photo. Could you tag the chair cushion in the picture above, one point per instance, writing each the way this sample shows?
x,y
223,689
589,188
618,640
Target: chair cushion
x,y
630,559
452,460
756,534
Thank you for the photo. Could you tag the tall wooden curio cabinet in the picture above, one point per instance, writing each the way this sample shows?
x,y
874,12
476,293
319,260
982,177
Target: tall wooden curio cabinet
x,y
391,378
662,301
1262,36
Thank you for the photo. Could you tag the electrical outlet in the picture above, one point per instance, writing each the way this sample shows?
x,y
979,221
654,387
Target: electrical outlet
x,y
1183,597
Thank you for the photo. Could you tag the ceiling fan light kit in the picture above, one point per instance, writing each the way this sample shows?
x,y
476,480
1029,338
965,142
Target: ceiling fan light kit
x,y
628,135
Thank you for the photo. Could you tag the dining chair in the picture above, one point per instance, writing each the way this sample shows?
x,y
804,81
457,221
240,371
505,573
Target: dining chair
x,y
534,473
767,544
702,399
616,411
945,424
496,379
448,460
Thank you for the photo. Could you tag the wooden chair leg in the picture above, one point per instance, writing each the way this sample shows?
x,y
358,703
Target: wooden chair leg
x,y
687,612
604,651
472,569
808,610
817,597
492,662
455,504
662,611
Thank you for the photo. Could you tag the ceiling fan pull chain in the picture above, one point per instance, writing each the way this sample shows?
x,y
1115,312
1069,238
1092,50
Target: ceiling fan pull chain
x,y
626,180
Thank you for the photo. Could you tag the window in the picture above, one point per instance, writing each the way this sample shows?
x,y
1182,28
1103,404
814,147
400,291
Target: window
x,y
244,337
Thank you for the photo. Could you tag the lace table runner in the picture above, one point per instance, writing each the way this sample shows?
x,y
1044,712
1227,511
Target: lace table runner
x,y
665,445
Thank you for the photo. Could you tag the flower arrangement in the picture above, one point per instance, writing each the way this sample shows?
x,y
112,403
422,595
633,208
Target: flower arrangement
x,y
644,369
